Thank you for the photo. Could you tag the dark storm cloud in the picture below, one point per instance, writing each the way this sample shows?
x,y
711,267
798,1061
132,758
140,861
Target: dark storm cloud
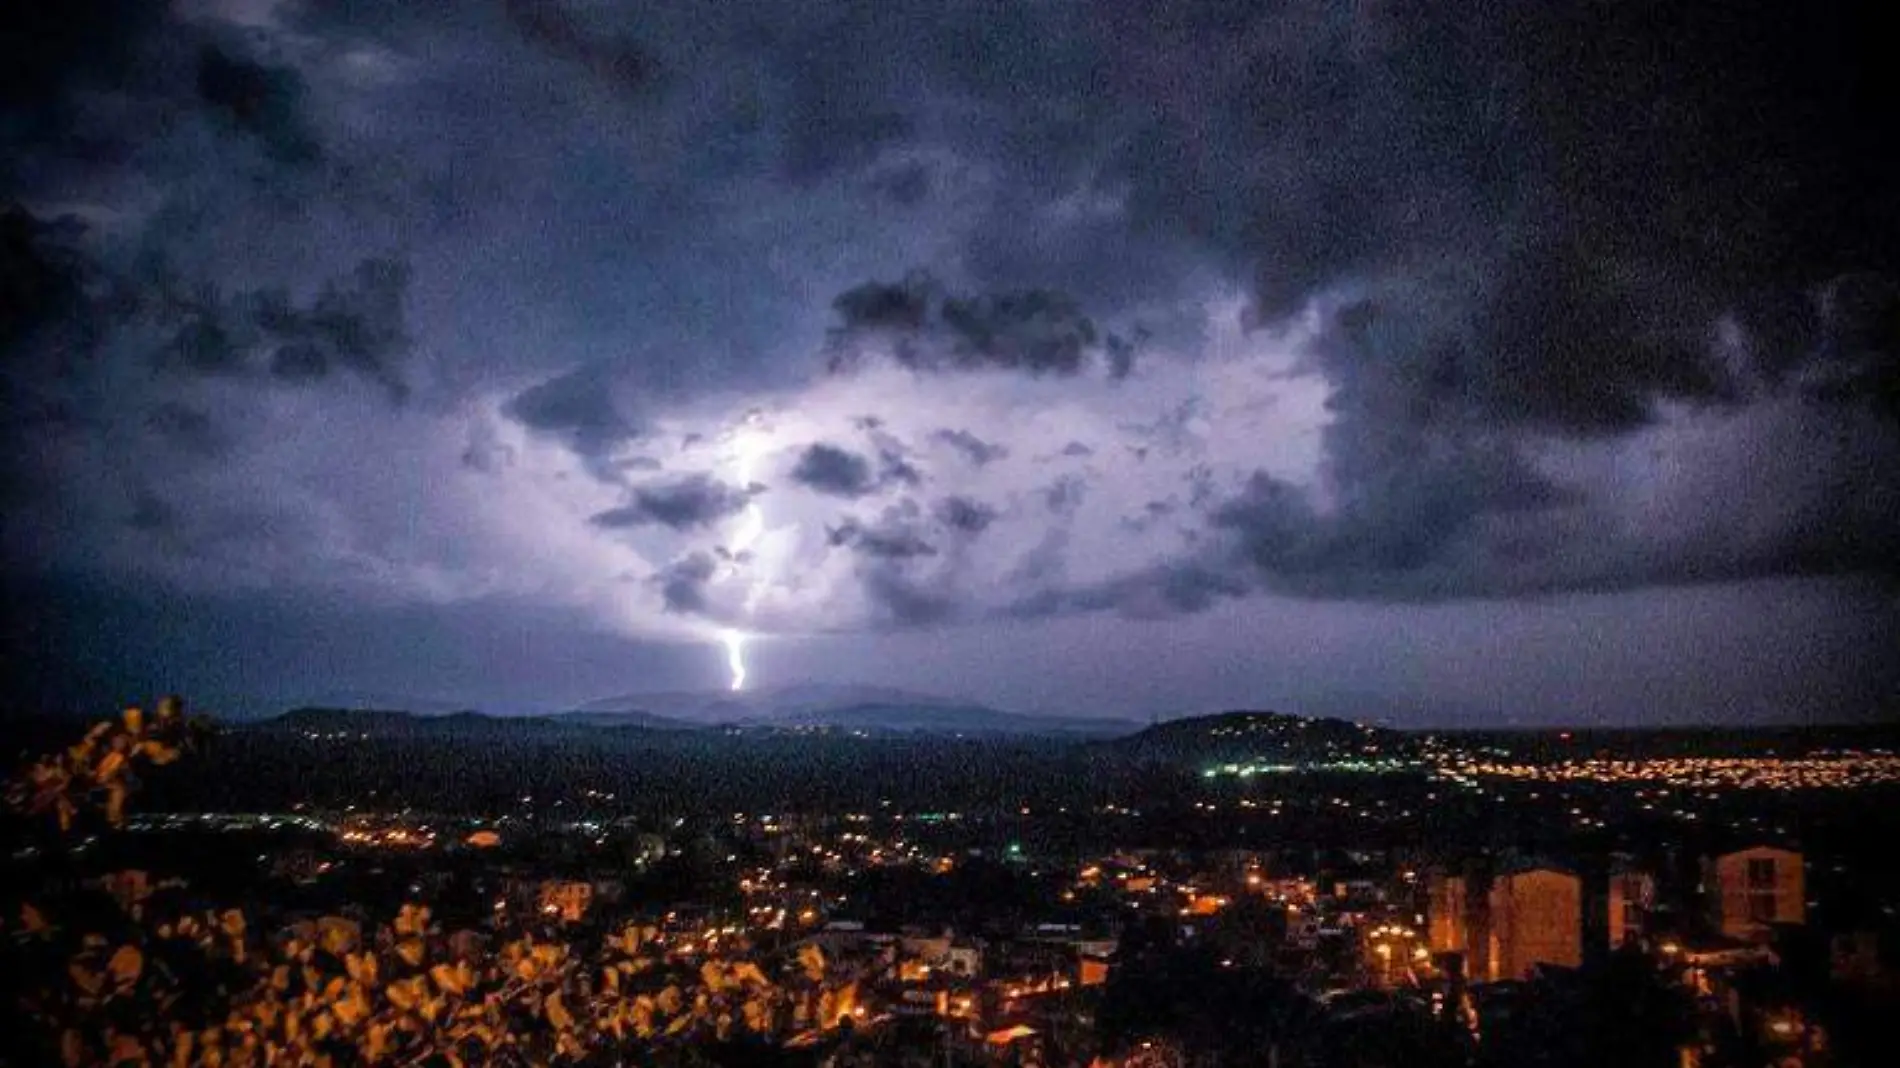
x,y
264,101
907,185
1572,297
898,599
355,326
823,137
609,53
893,466
891,539
42,279
188,428
358,327
922,326
1538,224
1550,208
973,448
1424,516
1853,332
71,303
49,51
831,470
694,502
965,515
484,453
1065,494
151,514
682,583
577,406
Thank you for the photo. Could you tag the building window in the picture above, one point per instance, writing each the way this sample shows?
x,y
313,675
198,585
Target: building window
x,y
1761,873
1761,908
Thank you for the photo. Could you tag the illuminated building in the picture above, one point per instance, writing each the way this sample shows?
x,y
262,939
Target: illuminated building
x,y
1536,918
1448,906
1751,890
1632,896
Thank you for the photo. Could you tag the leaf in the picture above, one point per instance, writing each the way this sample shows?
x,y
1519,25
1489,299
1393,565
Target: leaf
x,y
557,1013
86,979
401,996
126,1050
353,1008
812,959
126,964
337,935
410,950
452,979
362,967
412,920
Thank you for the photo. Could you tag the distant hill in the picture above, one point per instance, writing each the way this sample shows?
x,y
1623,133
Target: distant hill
x,y
953,719
721,707
373,700
612,720
845,707
387,722
1239,737
906,714
355,720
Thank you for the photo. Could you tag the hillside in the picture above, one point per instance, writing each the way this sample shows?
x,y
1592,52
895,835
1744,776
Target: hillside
x,y
1263,737
953,719
750,716
845,707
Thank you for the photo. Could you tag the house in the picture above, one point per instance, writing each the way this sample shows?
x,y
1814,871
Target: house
x,y
1750,891
1632,898
1536,920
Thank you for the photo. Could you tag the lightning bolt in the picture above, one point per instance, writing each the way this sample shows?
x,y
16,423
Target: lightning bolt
x,y
734,642
748,445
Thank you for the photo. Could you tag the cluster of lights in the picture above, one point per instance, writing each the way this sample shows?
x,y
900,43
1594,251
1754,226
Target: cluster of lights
x,y
1356,766
1843,771
225,822
388,837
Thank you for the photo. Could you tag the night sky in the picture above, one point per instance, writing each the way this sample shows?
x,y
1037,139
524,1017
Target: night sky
x,y
1458,362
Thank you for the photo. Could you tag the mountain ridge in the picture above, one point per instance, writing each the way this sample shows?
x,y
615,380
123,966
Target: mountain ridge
x,y
858,709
